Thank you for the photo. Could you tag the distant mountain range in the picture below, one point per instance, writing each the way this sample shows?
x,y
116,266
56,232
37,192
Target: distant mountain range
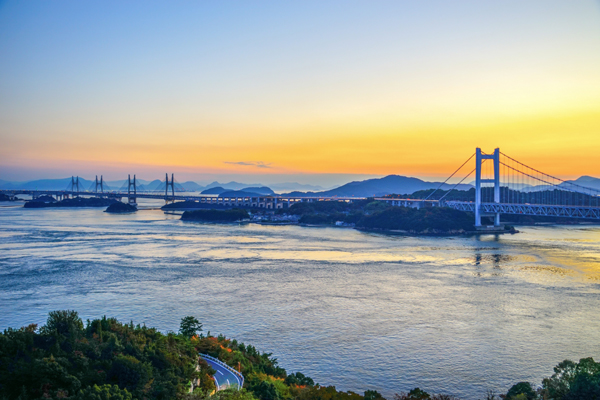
x,y
587,181
155,185
391,184
246,192
288,186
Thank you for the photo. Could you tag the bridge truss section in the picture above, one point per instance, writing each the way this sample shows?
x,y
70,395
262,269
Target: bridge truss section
x,y
540,210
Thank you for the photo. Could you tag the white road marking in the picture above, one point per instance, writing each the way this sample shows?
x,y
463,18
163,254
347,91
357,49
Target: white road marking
x,y
216,366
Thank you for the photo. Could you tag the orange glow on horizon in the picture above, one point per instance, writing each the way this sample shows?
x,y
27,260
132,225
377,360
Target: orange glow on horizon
x,y
366,147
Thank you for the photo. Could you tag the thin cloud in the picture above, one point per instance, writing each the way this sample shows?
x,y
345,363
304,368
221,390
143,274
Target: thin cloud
x,y
258,164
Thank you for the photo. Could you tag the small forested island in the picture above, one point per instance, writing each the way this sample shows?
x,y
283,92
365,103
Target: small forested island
x,y
120,208
44,202
379,215
192,205
212,215
105,359
4,197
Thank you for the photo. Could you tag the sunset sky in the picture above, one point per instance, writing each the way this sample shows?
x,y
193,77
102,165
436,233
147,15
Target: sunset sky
x,y
310,91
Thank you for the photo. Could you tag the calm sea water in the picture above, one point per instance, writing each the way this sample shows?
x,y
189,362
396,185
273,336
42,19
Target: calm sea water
x,y
356,310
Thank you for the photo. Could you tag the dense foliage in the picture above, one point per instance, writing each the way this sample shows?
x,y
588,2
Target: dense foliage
x,y
64,359
215,215
108,360
424,220
325,207
433,194
380,215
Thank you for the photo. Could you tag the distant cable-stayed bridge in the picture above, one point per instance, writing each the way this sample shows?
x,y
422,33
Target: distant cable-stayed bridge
x,y
503,185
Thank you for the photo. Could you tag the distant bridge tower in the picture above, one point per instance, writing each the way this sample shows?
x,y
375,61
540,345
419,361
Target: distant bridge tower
x,y
99,184
479,157
170,184
131,185
75,184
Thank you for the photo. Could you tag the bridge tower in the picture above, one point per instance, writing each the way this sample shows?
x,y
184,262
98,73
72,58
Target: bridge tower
x,y
479,157
131,185
99,184
171,185
75,184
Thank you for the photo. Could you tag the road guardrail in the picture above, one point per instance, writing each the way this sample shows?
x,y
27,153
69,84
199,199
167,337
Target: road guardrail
x,y
222,364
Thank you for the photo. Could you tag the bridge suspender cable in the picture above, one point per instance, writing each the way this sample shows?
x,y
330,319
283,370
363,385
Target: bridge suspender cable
x,y
461,181
545,174
454,173
549,183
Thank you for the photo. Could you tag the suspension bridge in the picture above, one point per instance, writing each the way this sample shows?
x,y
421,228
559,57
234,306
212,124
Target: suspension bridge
x,y
502,185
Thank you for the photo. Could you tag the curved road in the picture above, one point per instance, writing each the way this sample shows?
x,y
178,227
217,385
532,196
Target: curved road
x,y
224,378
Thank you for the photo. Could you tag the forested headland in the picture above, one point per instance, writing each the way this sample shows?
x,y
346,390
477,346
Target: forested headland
x,y
379,215
105,359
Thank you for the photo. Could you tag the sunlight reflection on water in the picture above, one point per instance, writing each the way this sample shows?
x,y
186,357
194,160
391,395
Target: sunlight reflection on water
x,y
358,310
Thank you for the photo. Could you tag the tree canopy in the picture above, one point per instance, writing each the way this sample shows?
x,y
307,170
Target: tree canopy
x,y
109,360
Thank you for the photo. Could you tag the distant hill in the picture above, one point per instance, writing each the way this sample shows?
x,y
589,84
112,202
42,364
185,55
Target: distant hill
x,y
191,186
288,186
239,193
154,185
46,184
232,185
587,181
214,190
265,191
391,184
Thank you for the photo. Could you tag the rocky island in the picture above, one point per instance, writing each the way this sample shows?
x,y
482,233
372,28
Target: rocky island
x,y
120,208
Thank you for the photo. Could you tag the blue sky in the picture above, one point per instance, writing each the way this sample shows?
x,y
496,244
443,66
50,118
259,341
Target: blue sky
x,y
310,89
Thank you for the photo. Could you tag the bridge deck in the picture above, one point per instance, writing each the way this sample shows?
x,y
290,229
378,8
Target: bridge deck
x,y
277,201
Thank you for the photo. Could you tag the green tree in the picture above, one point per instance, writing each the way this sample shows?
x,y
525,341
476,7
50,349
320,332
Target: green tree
x,y
521,388
266,391
232,394
298,379
63,322
373,395
190,326
415,394
573,381
104,392
129,373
